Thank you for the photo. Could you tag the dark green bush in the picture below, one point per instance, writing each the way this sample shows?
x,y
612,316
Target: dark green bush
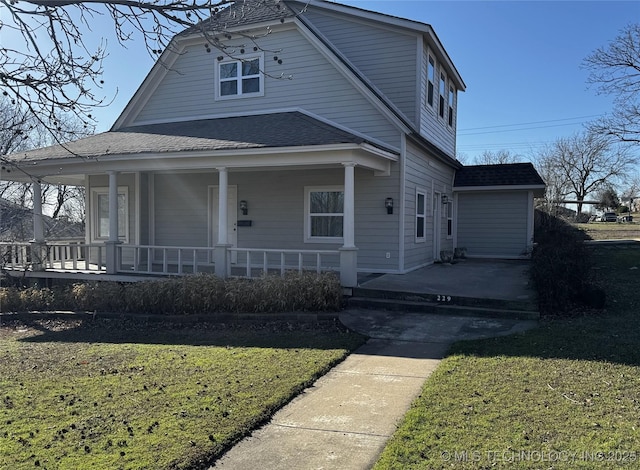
x,y
199,294
561,264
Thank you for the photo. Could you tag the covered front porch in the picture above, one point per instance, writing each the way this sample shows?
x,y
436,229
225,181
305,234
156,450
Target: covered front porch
x,y
234,196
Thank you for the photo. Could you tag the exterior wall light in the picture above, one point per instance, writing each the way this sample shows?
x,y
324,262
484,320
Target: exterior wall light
x,y
244,207
388,203
445,199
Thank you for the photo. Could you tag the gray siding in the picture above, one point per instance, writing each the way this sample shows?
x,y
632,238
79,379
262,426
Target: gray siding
x,y
387,58
493,224
276,209
432,126
430,176
187,90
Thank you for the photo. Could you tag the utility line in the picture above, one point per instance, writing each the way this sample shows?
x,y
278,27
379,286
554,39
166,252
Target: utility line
x,y
498,126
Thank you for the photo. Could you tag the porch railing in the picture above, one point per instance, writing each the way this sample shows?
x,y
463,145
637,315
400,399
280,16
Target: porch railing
x,y
252,262
15,255
58,255
76,256
164,260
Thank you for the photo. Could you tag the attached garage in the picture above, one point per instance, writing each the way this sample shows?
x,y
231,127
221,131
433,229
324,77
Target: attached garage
x,y
495,209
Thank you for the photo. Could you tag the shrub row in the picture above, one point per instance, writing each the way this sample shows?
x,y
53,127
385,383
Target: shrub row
x,y
561,265
199,294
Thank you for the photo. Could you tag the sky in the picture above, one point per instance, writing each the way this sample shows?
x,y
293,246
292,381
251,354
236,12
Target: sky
x,y
521,62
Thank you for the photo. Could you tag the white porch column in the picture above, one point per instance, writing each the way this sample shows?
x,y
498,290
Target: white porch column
x,y
349,252
38,248
223,184
38,227
221,254
114,240
113,206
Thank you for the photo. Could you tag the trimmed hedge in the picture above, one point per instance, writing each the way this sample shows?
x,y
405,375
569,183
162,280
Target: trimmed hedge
x,y
198,294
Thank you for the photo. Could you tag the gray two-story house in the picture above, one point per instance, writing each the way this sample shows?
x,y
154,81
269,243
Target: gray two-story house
x,y
312,135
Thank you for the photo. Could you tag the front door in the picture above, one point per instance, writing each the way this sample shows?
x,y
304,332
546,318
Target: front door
x,y
437,225
232,217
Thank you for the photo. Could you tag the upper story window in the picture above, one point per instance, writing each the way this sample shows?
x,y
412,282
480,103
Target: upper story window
x,y
431,78
239,78
442,89
451,99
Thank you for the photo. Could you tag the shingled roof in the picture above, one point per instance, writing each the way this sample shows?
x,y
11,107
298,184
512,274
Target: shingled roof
x,y
290,129
241,13
511,174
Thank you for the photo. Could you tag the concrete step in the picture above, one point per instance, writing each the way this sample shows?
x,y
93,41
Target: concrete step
x,y
529,305
421,305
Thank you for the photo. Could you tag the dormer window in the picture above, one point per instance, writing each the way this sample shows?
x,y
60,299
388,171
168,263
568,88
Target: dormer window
x,y
239,78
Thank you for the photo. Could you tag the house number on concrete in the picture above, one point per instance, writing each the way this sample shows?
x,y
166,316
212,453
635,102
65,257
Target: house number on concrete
x,y
443,298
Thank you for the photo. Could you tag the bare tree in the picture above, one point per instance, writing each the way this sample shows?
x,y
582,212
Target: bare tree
x,y
584,163
494,158
615,71
19,130
56,71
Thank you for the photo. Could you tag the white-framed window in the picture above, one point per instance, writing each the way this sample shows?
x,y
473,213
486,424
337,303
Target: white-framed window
x,y
324,214
442,90
240,78
431,79
421,216
449,213
451,101
100,217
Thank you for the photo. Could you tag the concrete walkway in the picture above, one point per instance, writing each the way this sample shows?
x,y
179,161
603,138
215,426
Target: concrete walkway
x,y
344,420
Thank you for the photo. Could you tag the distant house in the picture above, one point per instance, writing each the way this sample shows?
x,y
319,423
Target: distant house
x,y
328,143
16,224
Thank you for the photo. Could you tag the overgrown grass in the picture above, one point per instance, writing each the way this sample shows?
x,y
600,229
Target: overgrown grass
x,y
199,294
109,394
563,396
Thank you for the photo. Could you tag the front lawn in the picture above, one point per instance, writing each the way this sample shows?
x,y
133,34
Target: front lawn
x,y
117,394
563,396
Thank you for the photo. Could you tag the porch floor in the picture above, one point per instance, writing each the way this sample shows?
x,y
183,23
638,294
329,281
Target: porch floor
x,y
474,278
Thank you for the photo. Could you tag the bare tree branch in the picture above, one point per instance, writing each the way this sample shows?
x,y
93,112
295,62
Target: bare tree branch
x,y
615,71
56,71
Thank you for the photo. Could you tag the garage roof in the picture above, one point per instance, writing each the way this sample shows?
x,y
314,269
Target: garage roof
x,y
508,175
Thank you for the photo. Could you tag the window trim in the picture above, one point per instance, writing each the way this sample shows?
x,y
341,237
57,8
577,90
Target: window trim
x,y
442,88
239,60
431,66
308,238
451,103
449,215
423,216
95,221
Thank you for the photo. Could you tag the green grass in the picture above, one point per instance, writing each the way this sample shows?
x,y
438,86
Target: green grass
x,y
567,392
115,394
